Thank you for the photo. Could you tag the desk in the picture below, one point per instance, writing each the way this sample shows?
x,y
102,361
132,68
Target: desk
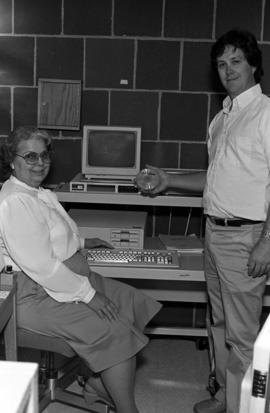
x,y
19,387
8,320
64,195
183,285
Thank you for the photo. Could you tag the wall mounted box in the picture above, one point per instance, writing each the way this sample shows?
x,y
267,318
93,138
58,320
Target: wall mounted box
x,y
59,104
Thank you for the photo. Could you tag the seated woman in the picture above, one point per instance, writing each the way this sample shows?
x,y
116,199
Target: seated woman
x,y
100,318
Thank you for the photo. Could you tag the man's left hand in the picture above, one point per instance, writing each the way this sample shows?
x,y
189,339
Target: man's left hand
x,y
259,260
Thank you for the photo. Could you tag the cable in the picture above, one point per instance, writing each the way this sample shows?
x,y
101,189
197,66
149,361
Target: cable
x,y
170,222
188,221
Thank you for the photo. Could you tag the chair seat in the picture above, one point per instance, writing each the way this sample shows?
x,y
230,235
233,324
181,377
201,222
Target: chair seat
x,y
42,342
58,380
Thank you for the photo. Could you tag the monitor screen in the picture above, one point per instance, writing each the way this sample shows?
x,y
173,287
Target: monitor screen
x,y
111,152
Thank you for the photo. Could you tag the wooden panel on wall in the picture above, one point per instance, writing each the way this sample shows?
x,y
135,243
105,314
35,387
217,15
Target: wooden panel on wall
x,y
59,104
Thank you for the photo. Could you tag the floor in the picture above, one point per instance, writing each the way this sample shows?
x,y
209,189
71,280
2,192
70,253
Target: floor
x,y
172,375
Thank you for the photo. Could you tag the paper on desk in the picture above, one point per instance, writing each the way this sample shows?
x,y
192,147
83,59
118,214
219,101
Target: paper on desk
x,y
182,243
4,294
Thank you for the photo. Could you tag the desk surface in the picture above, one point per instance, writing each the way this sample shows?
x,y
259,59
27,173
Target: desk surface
x,y
190,269
64,195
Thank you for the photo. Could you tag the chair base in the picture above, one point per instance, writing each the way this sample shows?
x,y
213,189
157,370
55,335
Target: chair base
x,y
71,399
55,391
55,377
54,386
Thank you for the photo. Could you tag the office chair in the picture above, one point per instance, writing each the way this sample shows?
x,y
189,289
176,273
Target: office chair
x,y
57,380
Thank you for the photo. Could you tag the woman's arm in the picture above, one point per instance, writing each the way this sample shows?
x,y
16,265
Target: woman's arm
x,y
26,236
96,243
102,305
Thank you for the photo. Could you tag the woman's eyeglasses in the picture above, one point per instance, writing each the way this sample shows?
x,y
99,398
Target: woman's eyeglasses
x,y
32,158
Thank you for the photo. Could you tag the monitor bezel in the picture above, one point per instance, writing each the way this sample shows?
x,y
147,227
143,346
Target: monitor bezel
x,y
93,172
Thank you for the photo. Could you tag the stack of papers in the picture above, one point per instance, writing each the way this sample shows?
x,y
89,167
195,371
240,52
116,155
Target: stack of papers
x,y
182,243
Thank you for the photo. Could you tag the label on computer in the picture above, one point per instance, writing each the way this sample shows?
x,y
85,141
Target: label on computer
x,y
259,383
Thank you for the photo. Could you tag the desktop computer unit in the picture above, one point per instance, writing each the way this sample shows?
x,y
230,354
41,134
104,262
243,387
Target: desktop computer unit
x,y
111,158
122,229
80,183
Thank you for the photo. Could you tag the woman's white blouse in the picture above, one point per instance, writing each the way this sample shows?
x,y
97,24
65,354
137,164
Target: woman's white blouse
x,y
36,235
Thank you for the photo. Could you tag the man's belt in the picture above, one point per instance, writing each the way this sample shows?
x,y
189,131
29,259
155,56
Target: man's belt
x,y
227,222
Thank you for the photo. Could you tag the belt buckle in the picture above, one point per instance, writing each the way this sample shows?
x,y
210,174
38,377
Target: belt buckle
x,y
226,222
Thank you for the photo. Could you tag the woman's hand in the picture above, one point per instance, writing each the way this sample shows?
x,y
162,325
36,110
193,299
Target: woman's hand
x,y
104,307
96,243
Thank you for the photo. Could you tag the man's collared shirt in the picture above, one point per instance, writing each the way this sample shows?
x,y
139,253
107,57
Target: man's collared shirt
x,y
238,176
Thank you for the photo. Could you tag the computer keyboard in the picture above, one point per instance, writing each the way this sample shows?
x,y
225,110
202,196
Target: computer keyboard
x,y
133,257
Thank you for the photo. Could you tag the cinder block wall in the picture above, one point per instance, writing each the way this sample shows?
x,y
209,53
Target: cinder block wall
x,y
141,62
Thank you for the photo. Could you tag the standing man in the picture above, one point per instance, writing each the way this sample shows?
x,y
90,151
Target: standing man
x,y
236,204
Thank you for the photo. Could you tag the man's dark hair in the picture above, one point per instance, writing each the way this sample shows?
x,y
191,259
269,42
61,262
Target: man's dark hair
x,y
244,40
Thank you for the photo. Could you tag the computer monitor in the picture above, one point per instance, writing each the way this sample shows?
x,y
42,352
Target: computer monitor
x,y
255,389
111,152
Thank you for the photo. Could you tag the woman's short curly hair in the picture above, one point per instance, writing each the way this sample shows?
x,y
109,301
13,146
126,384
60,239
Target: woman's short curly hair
x,y
9,148
244,40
